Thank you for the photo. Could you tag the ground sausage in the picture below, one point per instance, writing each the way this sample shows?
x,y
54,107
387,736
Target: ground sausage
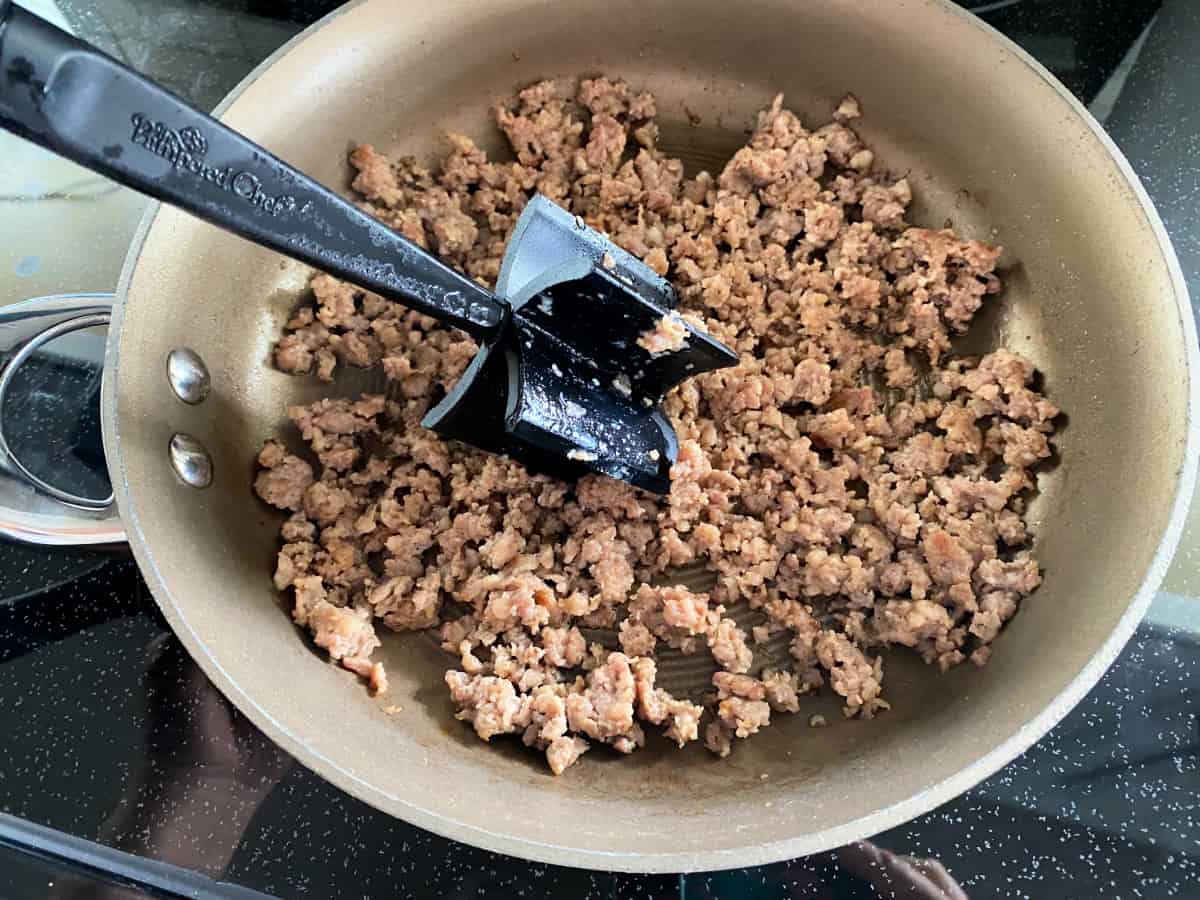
x,y
851,481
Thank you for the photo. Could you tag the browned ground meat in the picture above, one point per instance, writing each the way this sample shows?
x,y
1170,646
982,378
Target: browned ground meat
x,y
851,481
669,333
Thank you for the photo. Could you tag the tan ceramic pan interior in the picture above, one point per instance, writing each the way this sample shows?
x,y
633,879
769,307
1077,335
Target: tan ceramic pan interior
x,y
989,141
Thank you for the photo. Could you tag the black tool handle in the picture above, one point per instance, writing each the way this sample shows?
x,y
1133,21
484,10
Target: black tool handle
x,y
73,99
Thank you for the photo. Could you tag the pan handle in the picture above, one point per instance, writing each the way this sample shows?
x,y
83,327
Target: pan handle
x,y
31,509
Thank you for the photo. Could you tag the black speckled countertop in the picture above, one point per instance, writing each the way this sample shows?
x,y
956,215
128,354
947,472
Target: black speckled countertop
x,y
123,774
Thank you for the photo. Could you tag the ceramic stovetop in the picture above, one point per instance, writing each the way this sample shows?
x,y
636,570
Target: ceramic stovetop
x,y
124,774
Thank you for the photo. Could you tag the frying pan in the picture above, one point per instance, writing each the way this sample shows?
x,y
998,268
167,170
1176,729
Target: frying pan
x,y
989,140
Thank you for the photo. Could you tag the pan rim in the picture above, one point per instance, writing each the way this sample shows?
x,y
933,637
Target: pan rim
x,y
564,853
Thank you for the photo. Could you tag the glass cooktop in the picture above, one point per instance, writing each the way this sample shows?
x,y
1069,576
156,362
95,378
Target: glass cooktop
x,y
124,774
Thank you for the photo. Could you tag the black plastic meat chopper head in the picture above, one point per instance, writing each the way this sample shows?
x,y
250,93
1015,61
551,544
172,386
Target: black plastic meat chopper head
x,y
575,380
577,347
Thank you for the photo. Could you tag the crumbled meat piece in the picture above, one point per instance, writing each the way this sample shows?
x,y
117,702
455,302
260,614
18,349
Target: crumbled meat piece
x,y
342,630
657,706
487,702
507,600
1021,575
636,639
310,591
684,610
672,613
995,608
730,685
563,646
743,717
948,562
923,625
374,673
405,605
668,334
547,713
727,642
850,481
470,663
852,674
283,478
813,382
563,751
741,706
848,109
604,710
782,690
885,206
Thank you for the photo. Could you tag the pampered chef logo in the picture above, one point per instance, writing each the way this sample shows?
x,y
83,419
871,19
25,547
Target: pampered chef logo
x,y
184,150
